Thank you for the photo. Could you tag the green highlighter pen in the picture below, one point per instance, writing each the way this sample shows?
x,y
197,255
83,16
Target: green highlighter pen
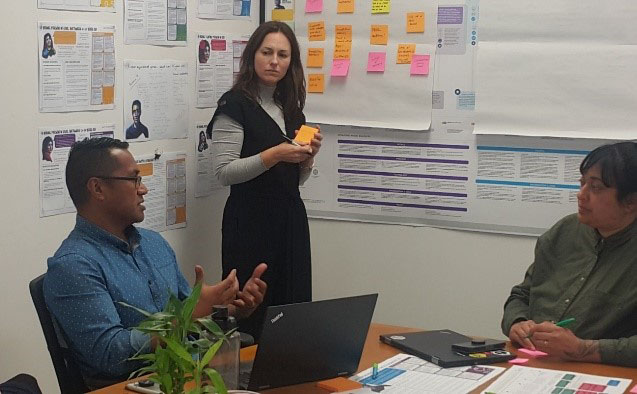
x,y
565,322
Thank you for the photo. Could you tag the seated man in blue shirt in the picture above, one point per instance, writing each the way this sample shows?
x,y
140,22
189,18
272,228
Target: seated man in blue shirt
x,y
106,259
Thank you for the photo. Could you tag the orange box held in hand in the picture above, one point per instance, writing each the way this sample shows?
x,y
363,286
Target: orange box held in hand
x,y
305,134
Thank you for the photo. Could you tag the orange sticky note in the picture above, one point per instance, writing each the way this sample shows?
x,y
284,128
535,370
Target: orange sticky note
x,y
343,50
343,33
315,83
379,35
345,6
404,53
315,57
342,41
316,31
415,22
305,134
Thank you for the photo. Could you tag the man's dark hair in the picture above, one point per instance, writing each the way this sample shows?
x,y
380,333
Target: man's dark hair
x,y
617,165
136,102
89,158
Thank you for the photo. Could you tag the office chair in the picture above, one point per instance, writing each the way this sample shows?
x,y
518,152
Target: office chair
x,y
67,371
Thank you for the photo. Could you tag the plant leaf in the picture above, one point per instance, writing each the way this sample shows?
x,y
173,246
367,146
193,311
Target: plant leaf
x,y
210,354
216,380
143,312
211,326
178,350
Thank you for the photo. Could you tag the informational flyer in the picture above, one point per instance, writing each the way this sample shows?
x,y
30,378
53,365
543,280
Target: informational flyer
x,y
155,100
54,144
226,9
519,380
78,5
218,62
165,179
155,22
206,181
76,66
404,373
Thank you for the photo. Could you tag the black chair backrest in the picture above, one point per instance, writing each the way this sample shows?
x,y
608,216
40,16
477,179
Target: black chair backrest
x,y
68,374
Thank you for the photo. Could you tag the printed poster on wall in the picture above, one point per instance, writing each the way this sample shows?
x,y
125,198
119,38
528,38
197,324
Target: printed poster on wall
x,y
165,179
54,144
76,67
78,5
206,180
155,22
155,100
228,9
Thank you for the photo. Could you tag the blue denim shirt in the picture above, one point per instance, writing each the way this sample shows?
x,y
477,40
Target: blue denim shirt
x,y
89,274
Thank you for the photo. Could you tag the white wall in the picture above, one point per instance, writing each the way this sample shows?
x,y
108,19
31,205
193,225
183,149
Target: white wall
x,y
426,277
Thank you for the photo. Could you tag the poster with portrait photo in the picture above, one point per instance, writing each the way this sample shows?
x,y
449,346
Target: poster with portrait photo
x,y
280,10
155,100
206,180
54,144
229,9
76,67
218,62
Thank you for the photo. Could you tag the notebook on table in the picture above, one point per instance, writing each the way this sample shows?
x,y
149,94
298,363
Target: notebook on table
x,y
309,341
435,346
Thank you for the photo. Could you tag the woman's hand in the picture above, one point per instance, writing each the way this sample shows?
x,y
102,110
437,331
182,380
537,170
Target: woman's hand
x,y
315,145
285,152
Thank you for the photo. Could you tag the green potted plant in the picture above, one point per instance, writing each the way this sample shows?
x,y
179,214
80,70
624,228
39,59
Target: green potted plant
x,y
185,348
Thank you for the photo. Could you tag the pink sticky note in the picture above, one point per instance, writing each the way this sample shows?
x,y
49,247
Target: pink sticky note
x,y
633,390
532,353
419,64
340,67
376,62
313,5
519,361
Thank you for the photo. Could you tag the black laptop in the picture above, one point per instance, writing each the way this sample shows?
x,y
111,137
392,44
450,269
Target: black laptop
x,y
435,346
309,341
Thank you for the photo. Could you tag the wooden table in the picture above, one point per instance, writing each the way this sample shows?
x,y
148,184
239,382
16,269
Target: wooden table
x,y
376,351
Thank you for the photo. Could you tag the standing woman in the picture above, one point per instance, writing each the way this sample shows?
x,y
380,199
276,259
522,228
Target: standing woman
x,y
264,219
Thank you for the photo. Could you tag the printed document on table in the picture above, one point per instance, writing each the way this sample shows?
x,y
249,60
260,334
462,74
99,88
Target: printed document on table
x,y
78,5
526,380
155,22
165,179
206,181
407,374
155,100
76,66
54,144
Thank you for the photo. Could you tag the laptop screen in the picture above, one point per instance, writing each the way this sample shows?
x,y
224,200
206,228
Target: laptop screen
x,y
311,341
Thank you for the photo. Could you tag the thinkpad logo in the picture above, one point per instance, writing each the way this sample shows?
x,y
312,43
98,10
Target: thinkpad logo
x,y
277,317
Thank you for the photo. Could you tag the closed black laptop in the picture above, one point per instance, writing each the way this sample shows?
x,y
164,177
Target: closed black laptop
x,y
311,341
435,347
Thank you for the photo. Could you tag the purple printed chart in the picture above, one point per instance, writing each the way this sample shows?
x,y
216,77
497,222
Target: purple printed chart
x,y
54,144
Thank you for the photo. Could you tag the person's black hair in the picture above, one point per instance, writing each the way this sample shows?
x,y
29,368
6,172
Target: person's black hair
x,y
89,158
44,41
45,143
617,165
136,102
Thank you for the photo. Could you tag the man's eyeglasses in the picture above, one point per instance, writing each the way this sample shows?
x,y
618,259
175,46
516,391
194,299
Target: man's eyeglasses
x,y
136,179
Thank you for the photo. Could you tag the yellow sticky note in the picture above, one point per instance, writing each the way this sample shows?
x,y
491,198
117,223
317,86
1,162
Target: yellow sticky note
x,y
379,35
316,31
380,6
316,83
415,22
315,57
404,53
345,6
305,134
282,15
